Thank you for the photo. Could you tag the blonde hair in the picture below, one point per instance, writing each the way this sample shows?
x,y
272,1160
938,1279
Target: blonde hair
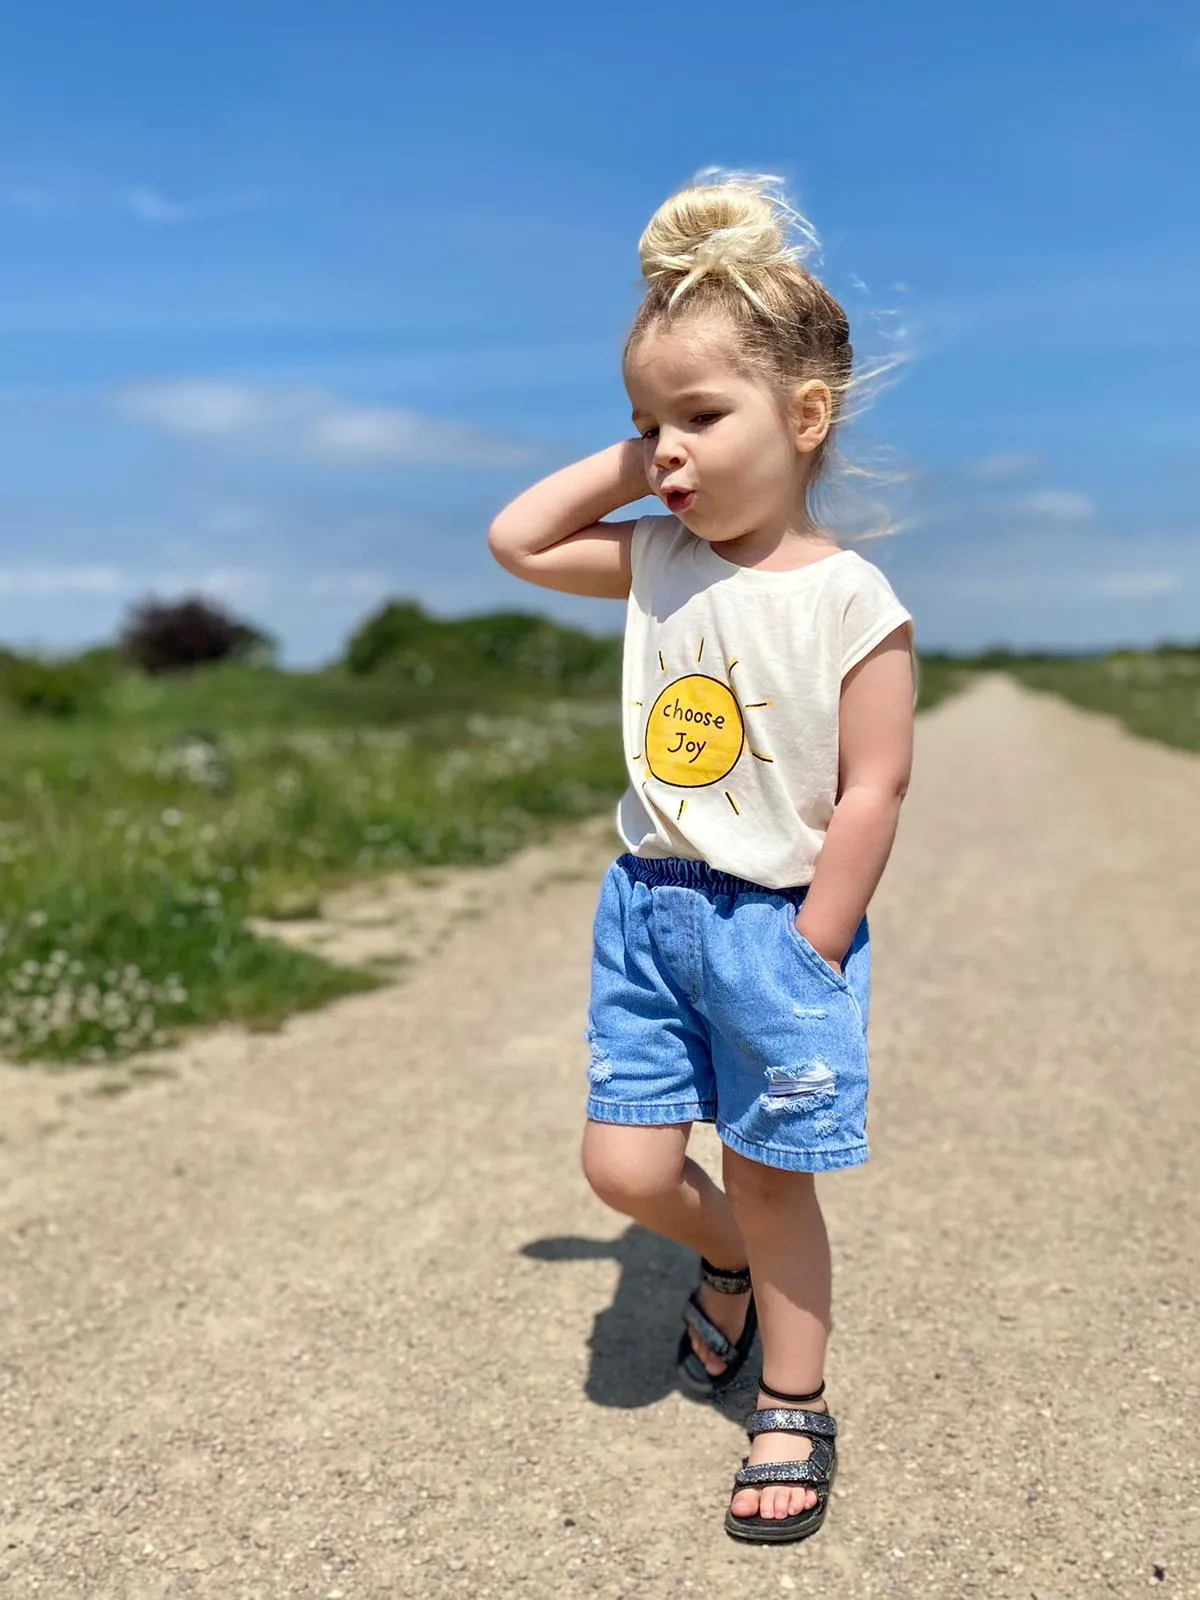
x,y
735,250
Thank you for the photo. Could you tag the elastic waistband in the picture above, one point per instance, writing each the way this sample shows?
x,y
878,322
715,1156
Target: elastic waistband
x,y
679,873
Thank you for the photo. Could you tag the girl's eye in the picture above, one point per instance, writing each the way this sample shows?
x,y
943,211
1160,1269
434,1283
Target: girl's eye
x,y
707,417
650,433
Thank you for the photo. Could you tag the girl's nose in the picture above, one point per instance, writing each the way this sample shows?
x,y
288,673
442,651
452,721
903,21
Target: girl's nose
x,y
668,453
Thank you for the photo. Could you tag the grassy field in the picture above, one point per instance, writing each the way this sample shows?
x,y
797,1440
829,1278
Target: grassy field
x,y
136,841
939,678
138,837
1155,694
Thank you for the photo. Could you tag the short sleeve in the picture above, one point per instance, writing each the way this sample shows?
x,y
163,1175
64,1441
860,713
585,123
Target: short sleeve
x,y
642,529
870,611
652,545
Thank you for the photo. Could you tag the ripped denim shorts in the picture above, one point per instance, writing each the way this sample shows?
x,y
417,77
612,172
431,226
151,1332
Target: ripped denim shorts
x,y
708,1006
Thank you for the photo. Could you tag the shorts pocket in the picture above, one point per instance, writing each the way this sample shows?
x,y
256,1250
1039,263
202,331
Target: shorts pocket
x,y
808,953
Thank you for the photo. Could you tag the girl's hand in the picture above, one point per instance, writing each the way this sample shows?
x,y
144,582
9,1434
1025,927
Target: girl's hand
x,y
553,534
829,959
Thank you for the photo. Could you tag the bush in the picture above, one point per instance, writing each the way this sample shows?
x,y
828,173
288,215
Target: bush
x,y
392,636
534,647
504,646
48,688
160,637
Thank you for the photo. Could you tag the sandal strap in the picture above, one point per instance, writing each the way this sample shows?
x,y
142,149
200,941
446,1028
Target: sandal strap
x,y
725,1280
786,1419
812,1471
792,1399
716,1341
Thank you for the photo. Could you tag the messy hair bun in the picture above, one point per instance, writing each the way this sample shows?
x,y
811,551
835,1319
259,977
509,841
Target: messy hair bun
x,y
735,250
732,231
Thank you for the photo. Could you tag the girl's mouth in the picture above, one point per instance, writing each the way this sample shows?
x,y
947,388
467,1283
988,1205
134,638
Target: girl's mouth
x,y
679,500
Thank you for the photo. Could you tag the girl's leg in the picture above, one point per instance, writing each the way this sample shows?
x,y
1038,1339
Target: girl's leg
x,y
780,1219
647,1174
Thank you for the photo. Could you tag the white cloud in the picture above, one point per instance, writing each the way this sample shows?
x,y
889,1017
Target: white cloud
x,y
1005,464
222,583
350,585
228,583
237,520
1058,505
202,409
151,205
28,197
61,580
1135,585
140,200
314,424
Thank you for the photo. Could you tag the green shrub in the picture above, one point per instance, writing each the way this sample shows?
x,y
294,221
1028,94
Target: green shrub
x,y
534,647
48,688
391,636
503,646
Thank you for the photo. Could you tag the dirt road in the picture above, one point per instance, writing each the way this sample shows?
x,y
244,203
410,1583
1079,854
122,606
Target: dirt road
x,y
331,1313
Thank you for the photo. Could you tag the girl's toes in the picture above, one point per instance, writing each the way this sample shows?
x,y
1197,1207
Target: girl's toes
x,y
801,1500
746,1502
711,1363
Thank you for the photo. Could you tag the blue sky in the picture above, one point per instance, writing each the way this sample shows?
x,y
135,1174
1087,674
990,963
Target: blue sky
x,y
292,298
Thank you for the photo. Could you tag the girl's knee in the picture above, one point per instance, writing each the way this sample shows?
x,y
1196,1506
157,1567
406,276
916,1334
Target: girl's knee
x,y
631,1168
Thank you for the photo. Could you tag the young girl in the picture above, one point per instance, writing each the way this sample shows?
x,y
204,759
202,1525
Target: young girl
x,y
768,709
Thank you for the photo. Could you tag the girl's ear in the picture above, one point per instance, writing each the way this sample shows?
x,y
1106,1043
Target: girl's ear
x,y
812,415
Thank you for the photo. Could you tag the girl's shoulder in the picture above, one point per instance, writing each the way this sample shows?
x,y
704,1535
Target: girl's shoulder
x,y
658,548
664,535
850,570
863,606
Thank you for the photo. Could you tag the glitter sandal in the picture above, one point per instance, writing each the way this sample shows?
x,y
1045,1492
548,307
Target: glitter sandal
x,y
693,1376
817,1472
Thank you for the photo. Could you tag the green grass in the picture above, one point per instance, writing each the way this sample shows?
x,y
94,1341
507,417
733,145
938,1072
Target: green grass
x,y
939,678
1156,694
136,845
138,840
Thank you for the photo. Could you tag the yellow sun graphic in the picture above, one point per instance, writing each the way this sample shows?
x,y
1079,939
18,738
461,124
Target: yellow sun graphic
x,y
696,731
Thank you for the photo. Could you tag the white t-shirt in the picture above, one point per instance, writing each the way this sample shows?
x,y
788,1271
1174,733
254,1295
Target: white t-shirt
x,y
732,677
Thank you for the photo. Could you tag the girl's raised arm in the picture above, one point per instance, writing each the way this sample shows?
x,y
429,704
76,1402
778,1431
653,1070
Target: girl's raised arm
x,y
552,534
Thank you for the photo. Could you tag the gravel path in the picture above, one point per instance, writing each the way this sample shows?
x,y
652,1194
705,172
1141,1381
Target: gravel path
x,y
332,1313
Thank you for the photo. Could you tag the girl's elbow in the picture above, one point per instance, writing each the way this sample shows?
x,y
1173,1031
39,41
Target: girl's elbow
x,y
503,546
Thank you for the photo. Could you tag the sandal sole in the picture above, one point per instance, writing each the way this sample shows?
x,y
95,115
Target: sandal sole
x,y
706,1391
765,1534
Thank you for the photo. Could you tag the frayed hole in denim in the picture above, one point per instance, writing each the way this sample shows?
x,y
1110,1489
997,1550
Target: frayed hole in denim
x,y
600,1070
795,1088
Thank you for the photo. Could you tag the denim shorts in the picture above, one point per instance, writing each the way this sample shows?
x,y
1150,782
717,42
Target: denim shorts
x,y
709,1006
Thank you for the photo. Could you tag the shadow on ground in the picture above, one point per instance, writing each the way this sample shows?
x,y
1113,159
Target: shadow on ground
x,y
634,1340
